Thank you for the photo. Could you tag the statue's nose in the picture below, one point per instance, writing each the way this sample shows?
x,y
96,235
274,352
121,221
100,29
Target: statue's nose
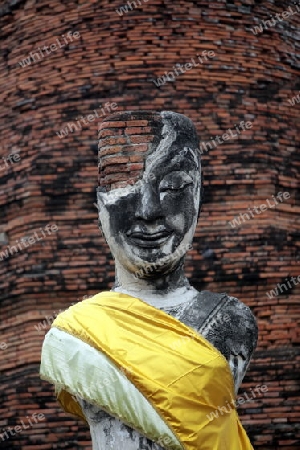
x,y
149,207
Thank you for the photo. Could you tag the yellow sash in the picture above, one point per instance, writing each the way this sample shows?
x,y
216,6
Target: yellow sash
x,y
177,370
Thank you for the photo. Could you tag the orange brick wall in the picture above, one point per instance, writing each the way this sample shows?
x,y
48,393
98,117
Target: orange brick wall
x,y
115,59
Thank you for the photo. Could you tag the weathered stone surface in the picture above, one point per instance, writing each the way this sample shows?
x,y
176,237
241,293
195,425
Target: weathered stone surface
x,y
116,58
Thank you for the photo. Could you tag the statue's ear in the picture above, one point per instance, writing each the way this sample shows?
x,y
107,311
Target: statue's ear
x,y
99,205
201,198
100,198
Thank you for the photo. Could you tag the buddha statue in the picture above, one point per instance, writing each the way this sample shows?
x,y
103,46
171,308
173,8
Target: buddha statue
x,y
147,363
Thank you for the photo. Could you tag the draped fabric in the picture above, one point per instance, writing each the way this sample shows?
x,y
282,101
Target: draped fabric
x,y
161,377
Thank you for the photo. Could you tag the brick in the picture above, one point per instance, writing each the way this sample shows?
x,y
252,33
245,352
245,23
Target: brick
x,y
113,160
141,139
109,150
116,169
137,130
115,124
137,166
137,123
112,141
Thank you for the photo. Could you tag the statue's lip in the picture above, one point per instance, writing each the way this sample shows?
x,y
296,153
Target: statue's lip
x,y
148,236
146,239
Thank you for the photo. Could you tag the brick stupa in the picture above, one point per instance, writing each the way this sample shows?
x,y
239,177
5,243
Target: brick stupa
x,y
254,77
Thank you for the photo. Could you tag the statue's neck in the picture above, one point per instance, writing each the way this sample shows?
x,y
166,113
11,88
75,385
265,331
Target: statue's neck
x,y
165,290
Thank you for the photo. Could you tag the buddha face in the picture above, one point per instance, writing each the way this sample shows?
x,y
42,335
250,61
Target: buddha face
x,y
154,220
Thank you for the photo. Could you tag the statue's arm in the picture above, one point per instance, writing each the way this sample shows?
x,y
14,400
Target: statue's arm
x,y
241,339
233,331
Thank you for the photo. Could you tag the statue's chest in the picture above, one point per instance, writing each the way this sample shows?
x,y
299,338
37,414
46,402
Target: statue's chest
x,y
110,433
207,317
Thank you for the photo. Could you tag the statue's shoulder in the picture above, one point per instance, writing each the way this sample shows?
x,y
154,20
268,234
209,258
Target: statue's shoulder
x,y
204,306
223,307
237,310
231,327
227,319
75,308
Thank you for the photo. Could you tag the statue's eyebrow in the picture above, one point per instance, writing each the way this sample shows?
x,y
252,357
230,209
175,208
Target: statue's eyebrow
x,y
191,154
181,171
180,156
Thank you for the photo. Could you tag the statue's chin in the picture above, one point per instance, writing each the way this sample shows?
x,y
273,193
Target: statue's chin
x,y
147,275
149,264
154,270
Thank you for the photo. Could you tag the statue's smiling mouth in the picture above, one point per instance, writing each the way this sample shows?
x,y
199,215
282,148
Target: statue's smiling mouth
x,y
147,239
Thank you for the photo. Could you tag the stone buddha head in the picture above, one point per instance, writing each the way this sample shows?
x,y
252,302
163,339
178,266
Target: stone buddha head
x,y
149,193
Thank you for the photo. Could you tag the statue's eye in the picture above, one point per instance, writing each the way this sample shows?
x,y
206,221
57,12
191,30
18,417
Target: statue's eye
x,y
175,182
